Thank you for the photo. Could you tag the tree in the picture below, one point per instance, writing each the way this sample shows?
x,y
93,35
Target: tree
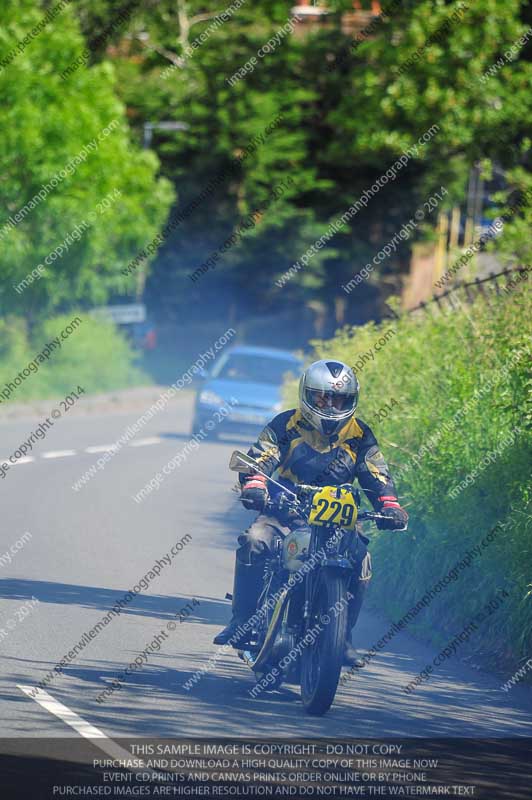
x,y
100,199
349,107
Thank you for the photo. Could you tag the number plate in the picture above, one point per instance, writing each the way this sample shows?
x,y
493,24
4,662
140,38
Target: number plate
x,y
333,506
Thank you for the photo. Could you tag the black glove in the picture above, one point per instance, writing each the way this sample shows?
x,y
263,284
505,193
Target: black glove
x,y
396,517
255,493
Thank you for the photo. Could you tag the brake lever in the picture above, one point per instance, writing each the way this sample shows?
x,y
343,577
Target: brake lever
x,y
305,489
370,516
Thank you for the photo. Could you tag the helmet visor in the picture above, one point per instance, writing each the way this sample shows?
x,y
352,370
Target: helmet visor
x,y
330,403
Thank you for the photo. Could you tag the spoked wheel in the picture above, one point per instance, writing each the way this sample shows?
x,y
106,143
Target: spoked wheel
x,y
321,661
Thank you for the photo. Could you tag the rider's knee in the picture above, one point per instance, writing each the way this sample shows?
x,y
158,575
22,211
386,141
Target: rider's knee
x,y
251,551
260,532
256,543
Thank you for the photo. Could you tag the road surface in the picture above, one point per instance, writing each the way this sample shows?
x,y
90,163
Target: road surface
x,y
89,547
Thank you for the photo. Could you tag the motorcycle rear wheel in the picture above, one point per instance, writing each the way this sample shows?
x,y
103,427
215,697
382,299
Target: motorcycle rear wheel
x,y
321,661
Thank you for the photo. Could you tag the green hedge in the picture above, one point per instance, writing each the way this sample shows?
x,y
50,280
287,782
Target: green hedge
x,y
95,355
432,365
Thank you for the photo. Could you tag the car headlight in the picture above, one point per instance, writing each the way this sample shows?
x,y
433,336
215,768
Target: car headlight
x,y
210,398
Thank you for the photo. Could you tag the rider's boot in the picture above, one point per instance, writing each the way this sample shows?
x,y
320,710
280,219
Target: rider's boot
x,y
351,658
246,589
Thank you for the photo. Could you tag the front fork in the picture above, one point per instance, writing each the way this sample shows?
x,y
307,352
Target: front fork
x,y
332,562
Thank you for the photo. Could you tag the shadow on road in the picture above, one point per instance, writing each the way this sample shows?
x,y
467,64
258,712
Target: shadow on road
x,y
160,701
163,699
209,610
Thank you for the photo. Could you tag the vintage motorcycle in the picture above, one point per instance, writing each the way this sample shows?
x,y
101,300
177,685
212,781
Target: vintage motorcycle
x,y
298,632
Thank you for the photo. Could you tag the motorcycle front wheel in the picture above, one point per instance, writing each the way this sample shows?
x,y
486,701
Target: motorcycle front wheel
x,y
321,659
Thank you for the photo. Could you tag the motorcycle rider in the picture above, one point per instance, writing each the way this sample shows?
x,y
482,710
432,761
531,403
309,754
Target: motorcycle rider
x,y
321,443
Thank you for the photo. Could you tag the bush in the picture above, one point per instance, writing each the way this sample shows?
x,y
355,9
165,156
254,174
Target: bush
x,y
461,385
95,356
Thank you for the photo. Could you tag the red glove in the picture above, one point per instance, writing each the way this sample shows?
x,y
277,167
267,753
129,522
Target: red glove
x,y
396,517
255,492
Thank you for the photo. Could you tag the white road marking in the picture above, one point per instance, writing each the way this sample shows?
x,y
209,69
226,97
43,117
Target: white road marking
x,y
101,448
147,441
83,727
69,717
58,453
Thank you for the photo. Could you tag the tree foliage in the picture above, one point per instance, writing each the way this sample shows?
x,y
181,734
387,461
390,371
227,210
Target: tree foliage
x,y
47,122
349,110
349,107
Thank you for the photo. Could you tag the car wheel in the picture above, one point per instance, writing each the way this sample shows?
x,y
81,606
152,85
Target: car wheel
x,y
199,429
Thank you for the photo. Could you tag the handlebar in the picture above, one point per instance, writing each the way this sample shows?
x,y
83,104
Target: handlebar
x,y
304,492
298,499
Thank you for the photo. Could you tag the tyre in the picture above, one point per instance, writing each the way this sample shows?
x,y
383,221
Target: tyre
x,y
198,428
321,661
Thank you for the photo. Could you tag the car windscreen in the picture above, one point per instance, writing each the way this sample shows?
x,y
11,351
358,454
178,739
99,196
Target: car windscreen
x,y
254,369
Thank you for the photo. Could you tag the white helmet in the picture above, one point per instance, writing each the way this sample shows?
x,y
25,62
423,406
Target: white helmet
x,y
328,395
